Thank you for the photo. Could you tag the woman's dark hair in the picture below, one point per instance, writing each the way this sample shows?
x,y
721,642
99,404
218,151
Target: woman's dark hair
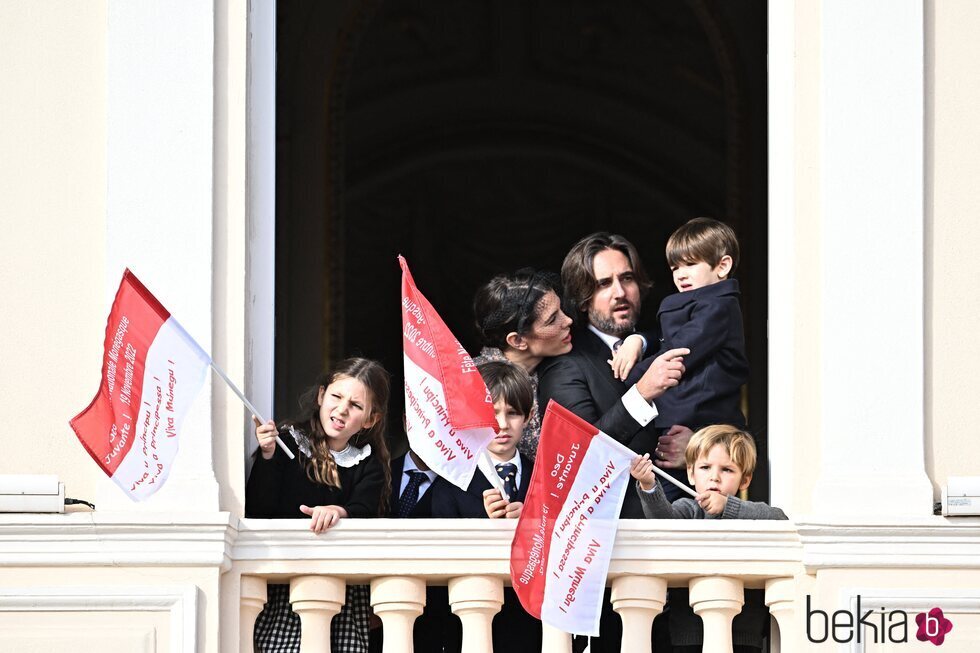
x,y
321,467
509,382
509,303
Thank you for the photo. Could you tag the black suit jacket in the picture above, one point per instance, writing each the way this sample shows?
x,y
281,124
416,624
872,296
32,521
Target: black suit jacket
x,y
582,382
423,508
449,501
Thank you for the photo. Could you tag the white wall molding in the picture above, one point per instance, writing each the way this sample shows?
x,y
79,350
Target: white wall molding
x,y
923,543
911,600
179,600
260,265
159,201
375,547
782,249
872,259
121,539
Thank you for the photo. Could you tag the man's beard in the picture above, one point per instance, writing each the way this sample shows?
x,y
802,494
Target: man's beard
x,y
607,324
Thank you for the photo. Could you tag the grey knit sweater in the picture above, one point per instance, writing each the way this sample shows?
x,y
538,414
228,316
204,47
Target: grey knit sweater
x,y
656,506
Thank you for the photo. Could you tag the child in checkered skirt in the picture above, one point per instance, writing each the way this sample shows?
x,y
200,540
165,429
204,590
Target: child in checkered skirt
x,y
341,469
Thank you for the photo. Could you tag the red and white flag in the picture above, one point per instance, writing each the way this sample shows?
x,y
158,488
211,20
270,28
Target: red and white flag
x,y
151,372
449,412
565,536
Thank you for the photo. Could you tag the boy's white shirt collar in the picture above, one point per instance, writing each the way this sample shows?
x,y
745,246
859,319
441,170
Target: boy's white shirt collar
x,y
410,466
487,465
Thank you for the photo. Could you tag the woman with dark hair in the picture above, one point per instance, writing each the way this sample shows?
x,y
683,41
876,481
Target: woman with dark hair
x,y
520,320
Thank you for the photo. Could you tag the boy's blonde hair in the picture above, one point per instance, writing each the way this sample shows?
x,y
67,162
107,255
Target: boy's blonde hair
x,y
738,443
702,239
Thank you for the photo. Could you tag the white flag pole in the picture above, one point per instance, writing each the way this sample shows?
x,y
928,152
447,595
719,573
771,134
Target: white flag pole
x,y
495,479
248,404
673,480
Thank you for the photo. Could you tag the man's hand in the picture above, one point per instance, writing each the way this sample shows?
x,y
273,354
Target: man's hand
x,y
642,471
712,502
671,447
323,516
514,509
664,373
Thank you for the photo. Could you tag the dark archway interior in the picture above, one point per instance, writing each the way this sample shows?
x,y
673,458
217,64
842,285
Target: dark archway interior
x,y
477,136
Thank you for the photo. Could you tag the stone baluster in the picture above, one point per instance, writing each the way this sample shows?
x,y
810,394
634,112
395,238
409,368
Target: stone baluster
x,y
638,600
253,594
717,599
781,599
398,601
554,640
316,599
476,599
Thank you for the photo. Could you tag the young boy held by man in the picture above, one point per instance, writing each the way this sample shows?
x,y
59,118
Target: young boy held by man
x,y
703,316
720,463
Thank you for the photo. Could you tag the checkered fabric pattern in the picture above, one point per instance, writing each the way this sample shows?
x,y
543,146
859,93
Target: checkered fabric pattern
x,y
277,628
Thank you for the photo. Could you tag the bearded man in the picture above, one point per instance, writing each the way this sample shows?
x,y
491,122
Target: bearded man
x,y
603,283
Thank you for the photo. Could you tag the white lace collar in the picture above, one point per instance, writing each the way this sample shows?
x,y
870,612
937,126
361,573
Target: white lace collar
x,y
348,457
351,455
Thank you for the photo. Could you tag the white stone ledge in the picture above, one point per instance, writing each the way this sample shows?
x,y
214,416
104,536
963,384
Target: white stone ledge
x,y
114,539
439,549
929,542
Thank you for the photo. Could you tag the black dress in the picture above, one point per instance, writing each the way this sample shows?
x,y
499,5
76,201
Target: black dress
x,y
276,489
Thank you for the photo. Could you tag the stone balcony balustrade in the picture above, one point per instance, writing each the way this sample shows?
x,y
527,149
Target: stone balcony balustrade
x,y
194,582
397,558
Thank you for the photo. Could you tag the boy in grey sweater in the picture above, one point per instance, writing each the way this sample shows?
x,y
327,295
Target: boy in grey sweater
x,y
720,462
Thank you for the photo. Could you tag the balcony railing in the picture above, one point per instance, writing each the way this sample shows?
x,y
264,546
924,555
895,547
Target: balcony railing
x,y
716,560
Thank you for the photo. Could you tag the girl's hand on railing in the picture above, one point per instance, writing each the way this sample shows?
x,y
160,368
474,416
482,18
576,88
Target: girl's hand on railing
x,y
323,516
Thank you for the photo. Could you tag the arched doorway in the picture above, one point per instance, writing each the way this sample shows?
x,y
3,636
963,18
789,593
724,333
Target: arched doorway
x,y
475,137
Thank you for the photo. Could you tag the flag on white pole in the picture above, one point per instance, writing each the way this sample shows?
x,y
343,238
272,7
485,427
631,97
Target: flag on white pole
x,y
151,372
565,536
449,412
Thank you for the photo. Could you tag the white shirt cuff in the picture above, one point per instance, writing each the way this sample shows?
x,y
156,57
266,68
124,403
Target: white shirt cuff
x,y
639,408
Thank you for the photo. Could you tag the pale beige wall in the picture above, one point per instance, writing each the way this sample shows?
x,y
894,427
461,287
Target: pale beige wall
x,y
113,630
952,239
52,231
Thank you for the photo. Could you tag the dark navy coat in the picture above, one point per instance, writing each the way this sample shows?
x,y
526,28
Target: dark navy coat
x,y
708,321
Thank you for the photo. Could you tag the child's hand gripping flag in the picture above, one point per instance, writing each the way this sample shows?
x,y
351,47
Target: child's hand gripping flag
x,y
565,536
151,372
449,413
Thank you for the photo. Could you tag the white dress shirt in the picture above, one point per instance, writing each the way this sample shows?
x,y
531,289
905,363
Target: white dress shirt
x,y
488,466
640,409
430,476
